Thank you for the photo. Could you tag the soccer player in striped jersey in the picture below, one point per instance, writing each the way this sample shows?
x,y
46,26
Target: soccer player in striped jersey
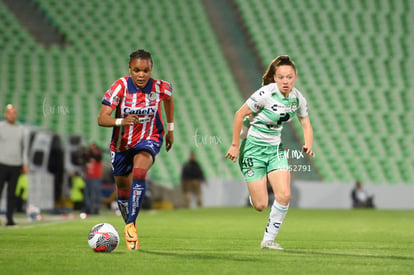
x,y
262,157
137,135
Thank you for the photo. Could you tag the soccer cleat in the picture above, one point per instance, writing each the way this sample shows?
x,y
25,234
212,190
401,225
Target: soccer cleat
x,y
131,236
270,245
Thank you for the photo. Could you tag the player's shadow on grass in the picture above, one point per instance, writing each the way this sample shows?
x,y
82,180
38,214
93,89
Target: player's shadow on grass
x,y
203,255
318,253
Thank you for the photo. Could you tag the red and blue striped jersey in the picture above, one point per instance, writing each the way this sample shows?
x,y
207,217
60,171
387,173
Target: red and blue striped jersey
x,y
125,98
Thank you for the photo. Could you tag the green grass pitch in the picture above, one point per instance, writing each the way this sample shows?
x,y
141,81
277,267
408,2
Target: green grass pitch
x,y
219,241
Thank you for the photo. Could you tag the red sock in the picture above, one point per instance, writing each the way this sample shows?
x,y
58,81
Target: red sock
x,y
123,194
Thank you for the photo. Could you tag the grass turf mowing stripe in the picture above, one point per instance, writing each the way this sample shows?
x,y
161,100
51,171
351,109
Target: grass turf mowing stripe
x,y
219,241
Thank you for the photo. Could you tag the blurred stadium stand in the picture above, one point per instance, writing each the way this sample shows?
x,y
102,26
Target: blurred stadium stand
x,y
66,84
353,58
355,67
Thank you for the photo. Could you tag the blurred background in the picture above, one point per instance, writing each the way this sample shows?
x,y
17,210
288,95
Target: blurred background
x,y
355,67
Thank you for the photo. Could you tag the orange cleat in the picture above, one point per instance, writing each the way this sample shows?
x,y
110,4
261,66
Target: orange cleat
x,y
131,236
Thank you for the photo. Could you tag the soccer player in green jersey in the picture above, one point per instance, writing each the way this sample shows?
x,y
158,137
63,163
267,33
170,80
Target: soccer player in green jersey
x,y
262,157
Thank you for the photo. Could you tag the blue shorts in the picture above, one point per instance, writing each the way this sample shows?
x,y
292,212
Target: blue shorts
x,y
123,162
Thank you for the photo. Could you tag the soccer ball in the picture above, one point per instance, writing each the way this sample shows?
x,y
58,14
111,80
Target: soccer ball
x,y
103,237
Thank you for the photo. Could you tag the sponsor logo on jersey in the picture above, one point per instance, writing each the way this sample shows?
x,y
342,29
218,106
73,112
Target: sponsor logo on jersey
x,y
139,111
280,108
144,119
116,100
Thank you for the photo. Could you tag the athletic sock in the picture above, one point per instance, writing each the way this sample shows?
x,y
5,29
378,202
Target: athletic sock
x,y
139,186
122,200
276,217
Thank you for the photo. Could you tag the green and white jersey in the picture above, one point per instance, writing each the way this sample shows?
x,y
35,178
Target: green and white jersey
x,y
272,110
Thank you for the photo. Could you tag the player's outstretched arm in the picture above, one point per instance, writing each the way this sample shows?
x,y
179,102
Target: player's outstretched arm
x,y
308,135
233,151
169,112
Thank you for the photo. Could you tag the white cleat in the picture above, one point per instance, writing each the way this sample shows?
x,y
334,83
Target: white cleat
x,y
270,245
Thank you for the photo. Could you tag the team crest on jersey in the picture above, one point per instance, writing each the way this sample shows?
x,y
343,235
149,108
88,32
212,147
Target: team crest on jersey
x,y
250,172
294,106
152,96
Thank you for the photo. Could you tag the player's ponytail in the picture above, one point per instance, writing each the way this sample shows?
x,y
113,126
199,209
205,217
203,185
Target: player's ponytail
x,y
268,77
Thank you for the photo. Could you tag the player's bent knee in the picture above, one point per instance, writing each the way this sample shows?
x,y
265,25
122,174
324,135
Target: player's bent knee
x,y
139,173
283,197
122,182
260,206
283,201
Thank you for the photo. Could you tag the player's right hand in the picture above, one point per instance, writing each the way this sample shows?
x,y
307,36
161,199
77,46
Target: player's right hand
x,y
169,139
130,120
232,153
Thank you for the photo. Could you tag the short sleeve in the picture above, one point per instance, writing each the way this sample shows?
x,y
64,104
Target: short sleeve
x,y
114,94
303,107
257,100
166,90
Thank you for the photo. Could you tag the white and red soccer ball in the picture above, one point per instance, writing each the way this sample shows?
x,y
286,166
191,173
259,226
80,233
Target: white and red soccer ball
x,y
103,237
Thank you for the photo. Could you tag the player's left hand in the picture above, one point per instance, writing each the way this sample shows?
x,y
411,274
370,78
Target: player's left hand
x,y
308,150
169,140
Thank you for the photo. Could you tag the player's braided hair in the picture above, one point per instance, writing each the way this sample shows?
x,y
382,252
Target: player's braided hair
x,y
140,54
268,77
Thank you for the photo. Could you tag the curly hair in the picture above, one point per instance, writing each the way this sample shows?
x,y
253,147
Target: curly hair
x,y
140,54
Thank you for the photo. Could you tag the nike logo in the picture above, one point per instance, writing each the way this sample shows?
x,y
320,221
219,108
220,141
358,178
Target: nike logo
x,y
129,235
